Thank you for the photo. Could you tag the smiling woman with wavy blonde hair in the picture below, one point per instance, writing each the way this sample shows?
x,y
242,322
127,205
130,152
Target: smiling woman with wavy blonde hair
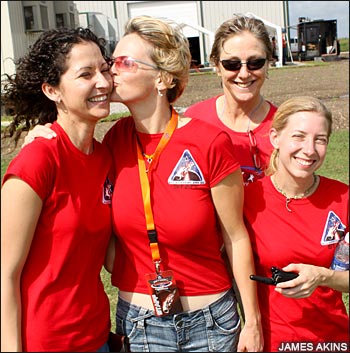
x,y
290,215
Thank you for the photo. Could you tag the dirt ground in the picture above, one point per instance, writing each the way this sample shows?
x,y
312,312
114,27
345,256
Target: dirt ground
x,y
327,81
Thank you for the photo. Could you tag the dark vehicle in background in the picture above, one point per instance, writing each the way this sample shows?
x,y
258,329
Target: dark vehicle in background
x,y
317,38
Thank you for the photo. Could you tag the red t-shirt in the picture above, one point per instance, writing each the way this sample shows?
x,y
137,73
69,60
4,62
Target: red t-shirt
x,y
206,110
64,305
197,157
279,238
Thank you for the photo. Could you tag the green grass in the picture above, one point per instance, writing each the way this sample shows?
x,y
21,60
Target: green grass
x,y
112,293
336,166
344,44
114,117
3,167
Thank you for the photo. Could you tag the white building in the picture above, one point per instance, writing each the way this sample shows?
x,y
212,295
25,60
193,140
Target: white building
x,y
101,17
202,14
23,21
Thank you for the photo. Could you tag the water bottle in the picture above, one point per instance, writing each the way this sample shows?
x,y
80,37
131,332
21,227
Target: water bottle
x,y
341,256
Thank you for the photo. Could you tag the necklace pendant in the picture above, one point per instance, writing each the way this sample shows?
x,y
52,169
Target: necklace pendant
x,y
149,158
288,200
149,161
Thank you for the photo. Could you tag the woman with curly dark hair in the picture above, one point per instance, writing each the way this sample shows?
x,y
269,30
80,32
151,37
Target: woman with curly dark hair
x,y
56,221
178,194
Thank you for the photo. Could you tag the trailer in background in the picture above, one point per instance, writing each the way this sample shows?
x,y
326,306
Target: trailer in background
x,y
317,38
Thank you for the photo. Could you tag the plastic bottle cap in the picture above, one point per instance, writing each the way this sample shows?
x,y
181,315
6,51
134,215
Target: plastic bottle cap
x,y
347,237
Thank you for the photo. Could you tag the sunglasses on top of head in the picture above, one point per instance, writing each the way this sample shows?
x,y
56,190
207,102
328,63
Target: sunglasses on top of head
x,y
127,63
235,65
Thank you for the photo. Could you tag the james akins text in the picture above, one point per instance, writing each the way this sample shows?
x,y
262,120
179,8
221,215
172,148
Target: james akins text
x,y
314,347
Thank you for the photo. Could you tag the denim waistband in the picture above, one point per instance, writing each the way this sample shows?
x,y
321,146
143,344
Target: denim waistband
x,y
216,305
213,328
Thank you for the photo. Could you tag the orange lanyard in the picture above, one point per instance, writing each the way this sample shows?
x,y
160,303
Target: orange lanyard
x,y
145,186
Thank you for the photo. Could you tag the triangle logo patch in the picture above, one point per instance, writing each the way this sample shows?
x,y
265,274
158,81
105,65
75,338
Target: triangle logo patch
x,y
186,171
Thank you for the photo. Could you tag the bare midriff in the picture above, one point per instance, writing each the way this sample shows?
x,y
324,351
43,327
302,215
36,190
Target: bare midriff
x,y
189,303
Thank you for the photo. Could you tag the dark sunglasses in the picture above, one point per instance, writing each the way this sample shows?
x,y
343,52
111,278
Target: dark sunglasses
x,y
235,65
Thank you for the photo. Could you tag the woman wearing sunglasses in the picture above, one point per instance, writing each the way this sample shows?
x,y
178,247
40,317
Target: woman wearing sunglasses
x,y
178,195
241,53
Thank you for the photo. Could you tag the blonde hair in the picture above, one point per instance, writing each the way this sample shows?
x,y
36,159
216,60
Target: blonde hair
x,y
237,25
290,107
170,50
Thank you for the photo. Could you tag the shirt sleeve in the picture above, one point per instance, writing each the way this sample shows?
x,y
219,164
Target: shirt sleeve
x,y
35,166
221,158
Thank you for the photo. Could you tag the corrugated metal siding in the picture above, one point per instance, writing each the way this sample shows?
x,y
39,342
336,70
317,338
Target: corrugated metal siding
x,y
15,42
181,12
122,14
6,40
103,23
105,7
216,12
13,38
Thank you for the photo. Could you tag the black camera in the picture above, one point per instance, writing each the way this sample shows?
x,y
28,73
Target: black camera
x,y
277,276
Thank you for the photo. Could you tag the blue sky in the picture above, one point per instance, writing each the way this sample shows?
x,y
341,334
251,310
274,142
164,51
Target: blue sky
x,y
325,10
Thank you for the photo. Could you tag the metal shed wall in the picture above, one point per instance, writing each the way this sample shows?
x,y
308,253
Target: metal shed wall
x,y
210,14
105,7
180,11
216,12
15,41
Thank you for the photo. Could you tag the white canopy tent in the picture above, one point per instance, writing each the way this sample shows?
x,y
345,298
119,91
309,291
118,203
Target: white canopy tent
x,y
272,28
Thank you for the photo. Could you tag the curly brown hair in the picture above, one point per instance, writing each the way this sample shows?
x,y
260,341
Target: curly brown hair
x,y
45,62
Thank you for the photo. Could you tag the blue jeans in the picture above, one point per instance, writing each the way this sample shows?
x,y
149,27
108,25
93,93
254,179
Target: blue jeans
x,y
215,328
104,348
